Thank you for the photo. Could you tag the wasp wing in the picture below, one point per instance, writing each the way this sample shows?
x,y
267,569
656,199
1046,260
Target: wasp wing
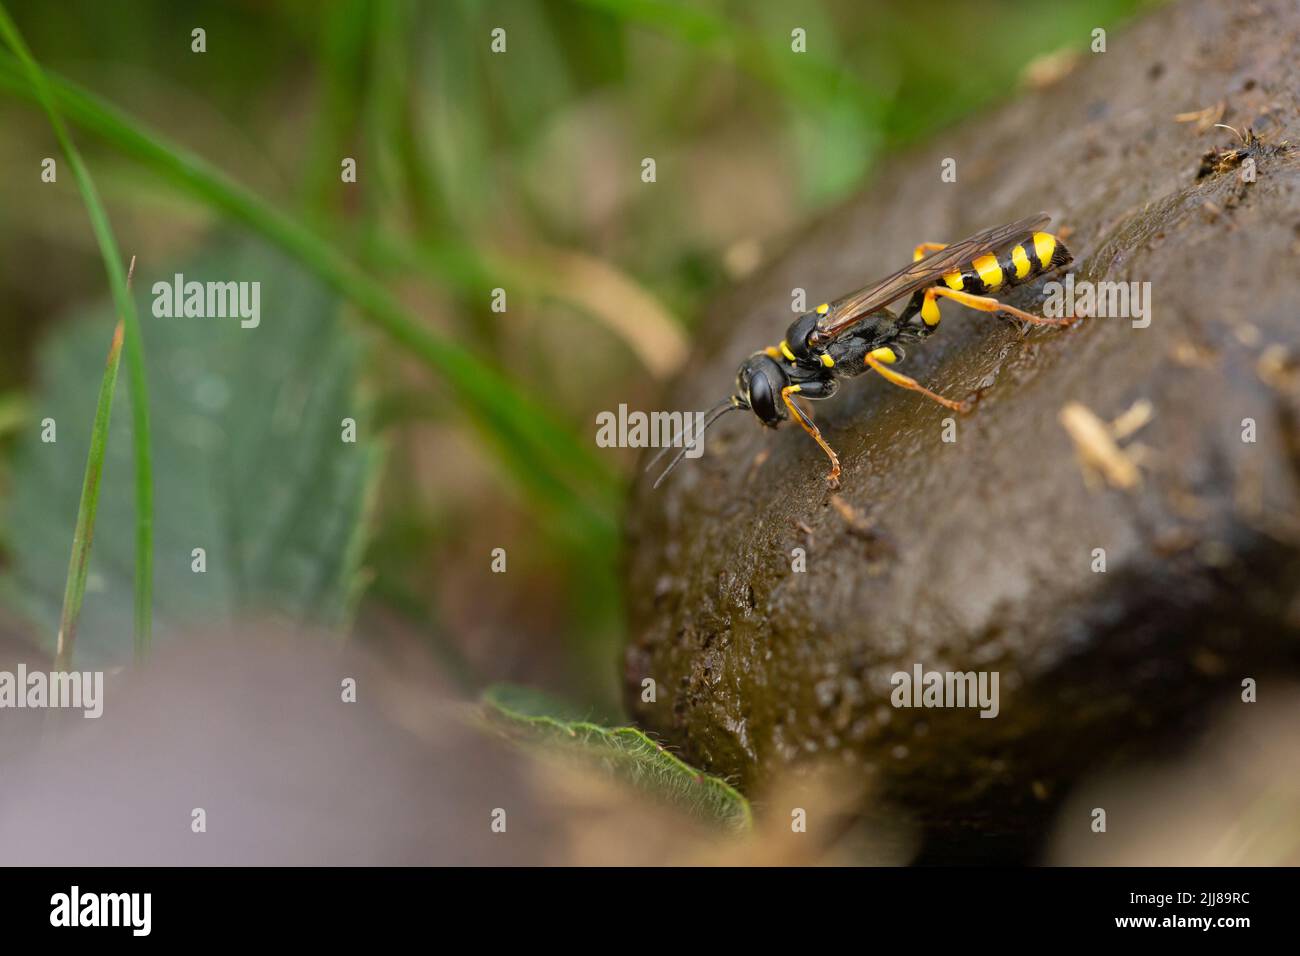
x,y
847,311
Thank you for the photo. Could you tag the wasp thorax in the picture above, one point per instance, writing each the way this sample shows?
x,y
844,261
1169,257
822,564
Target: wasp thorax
x,y
759,383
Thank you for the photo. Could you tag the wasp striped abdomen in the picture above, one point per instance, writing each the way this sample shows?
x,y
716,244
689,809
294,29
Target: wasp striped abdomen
x,y
1018,263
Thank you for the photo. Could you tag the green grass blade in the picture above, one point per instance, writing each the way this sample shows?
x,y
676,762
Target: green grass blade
x,y
84,533
542,455
117,281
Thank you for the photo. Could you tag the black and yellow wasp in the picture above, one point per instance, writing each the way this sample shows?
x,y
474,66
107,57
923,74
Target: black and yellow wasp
x,y
845,338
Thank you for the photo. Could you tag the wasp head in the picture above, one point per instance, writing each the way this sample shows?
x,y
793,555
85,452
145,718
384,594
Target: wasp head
x,y
759,384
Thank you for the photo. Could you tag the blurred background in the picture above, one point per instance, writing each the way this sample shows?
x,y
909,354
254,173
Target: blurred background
x,y
476,171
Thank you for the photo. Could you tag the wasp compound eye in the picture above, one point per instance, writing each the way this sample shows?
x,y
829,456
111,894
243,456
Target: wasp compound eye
x,y
761,381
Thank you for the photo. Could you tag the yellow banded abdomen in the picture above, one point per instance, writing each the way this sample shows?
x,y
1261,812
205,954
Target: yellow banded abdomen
x,y
1013,265
990,273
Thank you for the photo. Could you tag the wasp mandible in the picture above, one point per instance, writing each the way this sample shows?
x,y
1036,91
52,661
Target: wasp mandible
x,y
857,333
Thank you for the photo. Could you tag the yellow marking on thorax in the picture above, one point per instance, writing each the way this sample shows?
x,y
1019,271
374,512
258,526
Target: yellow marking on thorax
x,y
990,272
785,350
1021,262
823,308
828,361
1044,246
954,280
772,351
884,354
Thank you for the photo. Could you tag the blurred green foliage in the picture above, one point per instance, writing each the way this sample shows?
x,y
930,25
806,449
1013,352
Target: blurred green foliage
x,y
521,170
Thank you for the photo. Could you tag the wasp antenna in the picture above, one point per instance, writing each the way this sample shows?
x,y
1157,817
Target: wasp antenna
x,y
681,433
731,405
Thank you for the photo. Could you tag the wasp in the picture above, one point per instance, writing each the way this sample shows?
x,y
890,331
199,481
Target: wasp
x,y
858,333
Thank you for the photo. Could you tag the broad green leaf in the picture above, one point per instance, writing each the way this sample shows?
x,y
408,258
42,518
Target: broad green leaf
x,y
625,752
249,462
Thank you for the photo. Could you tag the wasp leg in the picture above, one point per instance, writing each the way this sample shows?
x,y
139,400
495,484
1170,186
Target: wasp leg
x,y
922,248
879,359
802,418
982,303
